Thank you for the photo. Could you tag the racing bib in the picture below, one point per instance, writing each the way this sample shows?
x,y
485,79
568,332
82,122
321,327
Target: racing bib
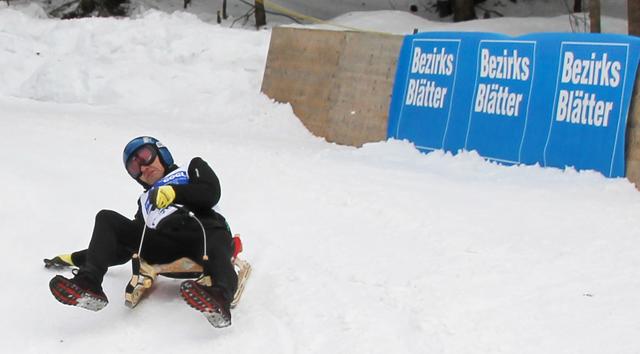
x,y
152,215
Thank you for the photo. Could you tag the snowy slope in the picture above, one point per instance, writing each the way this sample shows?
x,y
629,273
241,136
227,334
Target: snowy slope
x,y
372,250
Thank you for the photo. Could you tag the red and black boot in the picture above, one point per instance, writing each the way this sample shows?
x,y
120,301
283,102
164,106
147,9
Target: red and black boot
x,y
81,291
209,300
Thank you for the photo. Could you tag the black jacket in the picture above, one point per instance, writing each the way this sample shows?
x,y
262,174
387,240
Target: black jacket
x,y
200,195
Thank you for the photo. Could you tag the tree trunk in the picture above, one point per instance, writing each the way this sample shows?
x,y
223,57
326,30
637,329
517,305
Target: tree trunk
x,y
633,11
463,10
594,15
444,8
224,10
261,16
577,5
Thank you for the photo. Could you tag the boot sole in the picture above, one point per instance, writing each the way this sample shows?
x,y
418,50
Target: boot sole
x,y
70,294
200,300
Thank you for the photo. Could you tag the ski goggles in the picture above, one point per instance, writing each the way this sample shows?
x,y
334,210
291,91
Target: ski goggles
x,y
144,156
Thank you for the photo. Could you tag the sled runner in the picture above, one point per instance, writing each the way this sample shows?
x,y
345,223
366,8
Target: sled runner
x,y
145,274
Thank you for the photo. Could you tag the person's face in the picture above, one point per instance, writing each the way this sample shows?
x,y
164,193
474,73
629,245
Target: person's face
x,y
152,172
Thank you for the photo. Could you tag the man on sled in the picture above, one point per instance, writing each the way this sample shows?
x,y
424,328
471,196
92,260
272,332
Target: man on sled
x,y
176,218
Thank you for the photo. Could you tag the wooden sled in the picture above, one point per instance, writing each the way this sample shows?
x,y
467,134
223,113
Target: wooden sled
x,y
145,274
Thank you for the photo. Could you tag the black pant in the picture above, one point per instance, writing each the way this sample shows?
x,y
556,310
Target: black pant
x,y
116,238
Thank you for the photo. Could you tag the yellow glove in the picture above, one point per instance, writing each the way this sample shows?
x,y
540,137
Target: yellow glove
x,y
163,196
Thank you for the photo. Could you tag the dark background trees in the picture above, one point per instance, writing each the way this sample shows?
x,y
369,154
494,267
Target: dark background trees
x,y
633,14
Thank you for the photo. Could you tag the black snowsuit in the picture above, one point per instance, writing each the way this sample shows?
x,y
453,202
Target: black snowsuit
x,y
116,238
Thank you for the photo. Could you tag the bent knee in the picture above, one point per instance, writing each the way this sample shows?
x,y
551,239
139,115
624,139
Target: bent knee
x,y
109,216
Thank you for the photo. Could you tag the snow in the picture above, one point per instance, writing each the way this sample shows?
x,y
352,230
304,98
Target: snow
x,y
379,249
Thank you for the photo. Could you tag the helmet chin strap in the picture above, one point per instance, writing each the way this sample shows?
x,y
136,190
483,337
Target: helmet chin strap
x,y
144,185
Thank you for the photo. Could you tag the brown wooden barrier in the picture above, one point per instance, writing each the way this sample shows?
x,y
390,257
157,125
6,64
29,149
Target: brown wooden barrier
x,y
339,83
632,148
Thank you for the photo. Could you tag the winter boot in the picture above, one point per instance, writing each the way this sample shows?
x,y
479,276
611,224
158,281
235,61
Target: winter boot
x,y
209,300
82,291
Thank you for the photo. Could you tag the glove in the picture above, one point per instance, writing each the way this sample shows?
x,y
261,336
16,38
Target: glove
x,y
161,197
59,262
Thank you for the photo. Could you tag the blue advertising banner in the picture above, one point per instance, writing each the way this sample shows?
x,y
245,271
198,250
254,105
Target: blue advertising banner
x,y
429,91
499,112
589,98
554,99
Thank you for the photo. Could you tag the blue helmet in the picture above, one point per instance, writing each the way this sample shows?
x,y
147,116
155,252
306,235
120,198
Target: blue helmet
x,y
135,144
